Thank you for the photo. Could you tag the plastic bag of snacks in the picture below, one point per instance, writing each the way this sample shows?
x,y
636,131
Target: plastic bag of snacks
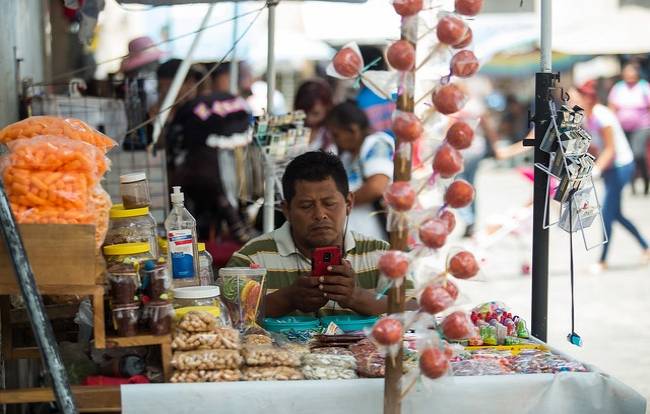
x,y
271,374
195,375
72,128
269,355
196,321
220,338
210,359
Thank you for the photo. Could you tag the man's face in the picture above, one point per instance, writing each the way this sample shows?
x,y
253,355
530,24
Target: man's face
x,y
317,213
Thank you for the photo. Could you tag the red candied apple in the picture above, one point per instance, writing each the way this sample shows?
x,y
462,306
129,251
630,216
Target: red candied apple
x,y
460,135
466,40
451,30
468,7
434,363
433,233
457,325
435,299
464,64
387,331
394,264
459,194
400,196
347,62
407,7
448,99
448,161
450,219
451,288
401,55
407,127
463,265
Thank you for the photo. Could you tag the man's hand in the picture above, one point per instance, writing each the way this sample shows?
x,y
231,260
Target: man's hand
x,y
341,285
305,295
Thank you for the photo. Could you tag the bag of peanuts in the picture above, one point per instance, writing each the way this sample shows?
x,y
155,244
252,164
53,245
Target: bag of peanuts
x,y
271,374
211,359
269,356
195,375
197,321
220,338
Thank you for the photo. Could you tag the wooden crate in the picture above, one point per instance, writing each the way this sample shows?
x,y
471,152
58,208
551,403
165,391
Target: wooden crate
x,y
60,255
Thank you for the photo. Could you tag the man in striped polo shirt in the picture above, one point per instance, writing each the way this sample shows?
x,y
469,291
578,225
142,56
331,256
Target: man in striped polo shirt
x,y
317,203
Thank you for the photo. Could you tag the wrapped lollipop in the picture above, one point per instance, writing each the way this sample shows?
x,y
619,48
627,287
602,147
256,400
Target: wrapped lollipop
x,y
458,326
347,63
447,161
460,135
401,55
451,29
400,197
438,296
464,64
433,233
406,126
463,265
406,8
466,41
449,218
388,333
459,194
393,266
468,7
448,99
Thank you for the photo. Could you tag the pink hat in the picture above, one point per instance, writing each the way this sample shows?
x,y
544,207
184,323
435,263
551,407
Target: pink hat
x,y
142,51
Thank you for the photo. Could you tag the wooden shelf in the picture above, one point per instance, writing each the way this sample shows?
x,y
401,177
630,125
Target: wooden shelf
x,y
138,340
90,399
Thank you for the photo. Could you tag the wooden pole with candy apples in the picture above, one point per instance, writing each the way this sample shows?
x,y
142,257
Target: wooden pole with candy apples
x,y
405,215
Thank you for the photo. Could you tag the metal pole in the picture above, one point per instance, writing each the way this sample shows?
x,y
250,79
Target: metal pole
x,y
544,81
35,309
179,78
269,168
234,68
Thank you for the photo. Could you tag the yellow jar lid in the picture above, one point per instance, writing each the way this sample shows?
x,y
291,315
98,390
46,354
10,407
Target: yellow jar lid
x,y
201,247
118,211
126,248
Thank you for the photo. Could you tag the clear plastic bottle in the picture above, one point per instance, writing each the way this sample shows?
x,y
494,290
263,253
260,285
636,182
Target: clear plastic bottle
x,y
182,246
206,274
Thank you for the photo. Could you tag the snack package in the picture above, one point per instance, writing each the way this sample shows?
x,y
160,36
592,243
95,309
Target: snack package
x,y
72,128
269,355
206,375
320,372
219,338
370,362
207,359
197,321
271,374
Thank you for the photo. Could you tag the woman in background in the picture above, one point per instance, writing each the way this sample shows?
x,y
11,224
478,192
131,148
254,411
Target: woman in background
x,y
314,97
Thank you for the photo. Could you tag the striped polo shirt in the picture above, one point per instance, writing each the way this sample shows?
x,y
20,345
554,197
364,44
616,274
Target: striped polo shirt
x,y
278,254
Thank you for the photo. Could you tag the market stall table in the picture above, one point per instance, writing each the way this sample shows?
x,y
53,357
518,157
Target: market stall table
x,y
566,392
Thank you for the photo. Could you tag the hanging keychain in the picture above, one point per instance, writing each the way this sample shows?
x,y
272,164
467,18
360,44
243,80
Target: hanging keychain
x,y
573,337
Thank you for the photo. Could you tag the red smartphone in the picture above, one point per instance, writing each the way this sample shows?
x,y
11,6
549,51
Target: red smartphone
x,y
322,257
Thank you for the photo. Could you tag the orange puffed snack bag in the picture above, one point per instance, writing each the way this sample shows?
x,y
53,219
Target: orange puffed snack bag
x,y
72,128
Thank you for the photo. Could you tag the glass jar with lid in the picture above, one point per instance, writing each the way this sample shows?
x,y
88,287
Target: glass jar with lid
x,y
206,274
134,189
200,298
127,253
135,225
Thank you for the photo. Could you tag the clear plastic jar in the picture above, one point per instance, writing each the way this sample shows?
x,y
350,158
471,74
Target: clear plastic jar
x,y
160,315
155,280
123,284
200,298
128,253
134,189
125,319
206,274
132,226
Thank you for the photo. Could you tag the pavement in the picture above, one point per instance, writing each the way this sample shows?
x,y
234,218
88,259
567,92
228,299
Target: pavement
x,y
612,309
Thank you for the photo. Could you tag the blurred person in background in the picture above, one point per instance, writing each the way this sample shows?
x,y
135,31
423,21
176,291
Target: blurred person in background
x,y
368,160
314,97
141,63
378,109
614,160
630,100
254,90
